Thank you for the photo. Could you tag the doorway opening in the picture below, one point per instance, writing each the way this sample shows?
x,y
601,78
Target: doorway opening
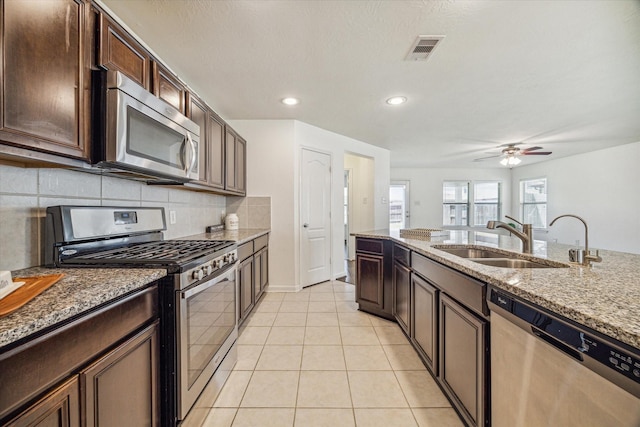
x,y
399,205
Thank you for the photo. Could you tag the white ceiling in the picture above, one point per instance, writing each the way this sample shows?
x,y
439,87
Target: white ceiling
x,y
564,75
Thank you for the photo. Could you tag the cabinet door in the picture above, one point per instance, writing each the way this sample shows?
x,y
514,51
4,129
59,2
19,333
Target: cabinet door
x,y
241,165
424,320
402,296
198,112
463,350
119,51
121,388
230,160
215,151
167,87
370,279
245,283
60,408
45,84
261,273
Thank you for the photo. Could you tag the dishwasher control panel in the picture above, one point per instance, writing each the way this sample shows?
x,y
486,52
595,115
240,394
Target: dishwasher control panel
x,y
570,339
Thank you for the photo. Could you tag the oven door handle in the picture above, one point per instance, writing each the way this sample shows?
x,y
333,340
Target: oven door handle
x,y
206,285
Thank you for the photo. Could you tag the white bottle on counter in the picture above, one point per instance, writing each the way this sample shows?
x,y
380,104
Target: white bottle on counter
x,y
231,222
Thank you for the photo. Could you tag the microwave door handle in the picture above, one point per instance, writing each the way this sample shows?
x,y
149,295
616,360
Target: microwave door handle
x,y
194,154
185,160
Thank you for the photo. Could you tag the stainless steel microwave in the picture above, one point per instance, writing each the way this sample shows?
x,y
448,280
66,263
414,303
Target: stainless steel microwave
x,y
139,136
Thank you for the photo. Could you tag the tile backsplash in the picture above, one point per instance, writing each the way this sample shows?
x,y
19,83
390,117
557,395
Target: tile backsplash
x,y
26,192
253,212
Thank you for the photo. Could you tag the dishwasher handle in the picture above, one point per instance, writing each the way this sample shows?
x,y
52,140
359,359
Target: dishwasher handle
x,y
557,344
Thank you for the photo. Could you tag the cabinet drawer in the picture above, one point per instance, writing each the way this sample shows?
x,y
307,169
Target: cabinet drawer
x,y
260,242
245,250
402,255
470,292
373,246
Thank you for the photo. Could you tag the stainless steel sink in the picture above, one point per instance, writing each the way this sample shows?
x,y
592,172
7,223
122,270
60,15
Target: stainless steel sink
x,y
515,263
472,252
492,258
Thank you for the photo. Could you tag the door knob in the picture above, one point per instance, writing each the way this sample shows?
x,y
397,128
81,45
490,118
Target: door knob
x,y
305,225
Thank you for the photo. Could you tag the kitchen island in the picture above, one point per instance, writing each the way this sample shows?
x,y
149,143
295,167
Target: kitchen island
x,y
443,293
604,297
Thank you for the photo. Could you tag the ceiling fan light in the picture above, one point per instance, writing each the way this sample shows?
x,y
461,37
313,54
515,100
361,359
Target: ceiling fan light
x,y
510,161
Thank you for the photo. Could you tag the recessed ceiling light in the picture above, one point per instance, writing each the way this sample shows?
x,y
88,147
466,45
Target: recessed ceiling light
x,y
396,100
290,101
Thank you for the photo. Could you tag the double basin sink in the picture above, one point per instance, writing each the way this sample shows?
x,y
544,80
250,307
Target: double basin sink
x,y
489,257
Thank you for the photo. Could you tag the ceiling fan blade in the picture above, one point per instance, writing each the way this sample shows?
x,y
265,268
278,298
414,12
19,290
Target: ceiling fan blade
x,y
531,149
485,158
537,153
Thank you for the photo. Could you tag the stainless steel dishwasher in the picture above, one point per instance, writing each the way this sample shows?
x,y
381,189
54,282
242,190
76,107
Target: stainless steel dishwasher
x,y
548,371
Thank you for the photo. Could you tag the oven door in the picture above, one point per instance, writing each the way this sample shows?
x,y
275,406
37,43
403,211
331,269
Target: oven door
x,y
150,140
206,331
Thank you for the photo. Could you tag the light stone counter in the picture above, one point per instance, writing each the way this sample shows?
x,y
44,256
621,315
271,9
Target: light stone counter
x,y
605,297
79,291
239,236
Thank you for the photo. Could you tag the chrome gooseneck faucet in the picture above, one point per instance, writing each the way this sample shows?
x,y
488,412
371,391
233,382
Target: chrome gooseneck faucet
x,y
526,235
585,256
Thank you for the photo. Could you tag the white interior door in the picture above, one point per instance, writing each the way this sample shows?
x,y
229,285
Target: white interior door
x,y
315,202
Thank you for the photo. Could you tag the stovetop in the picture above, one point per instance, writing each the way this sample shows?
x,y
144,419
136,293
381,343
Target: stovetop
x,y
157,253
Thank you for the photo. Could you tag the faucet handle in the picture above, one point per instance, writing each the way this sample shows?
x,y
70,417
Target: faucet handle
x,y
513,219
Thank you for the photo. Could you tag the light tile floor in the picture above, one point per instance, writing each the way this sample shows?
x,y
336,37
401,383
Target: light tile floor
x,y
312,359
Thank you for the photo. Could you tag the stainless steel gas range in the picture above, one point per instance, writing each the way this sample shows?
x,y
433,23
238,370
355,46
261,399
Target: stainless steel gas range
x,y
199,297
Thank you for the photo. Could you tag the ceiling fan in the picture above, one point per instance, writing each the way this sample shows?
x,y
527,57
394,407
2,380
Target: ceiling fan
x,y
511,152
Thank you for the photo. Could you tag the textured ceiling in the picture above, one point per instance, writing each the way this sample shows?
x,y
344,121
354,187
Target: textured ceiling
x,y
561,74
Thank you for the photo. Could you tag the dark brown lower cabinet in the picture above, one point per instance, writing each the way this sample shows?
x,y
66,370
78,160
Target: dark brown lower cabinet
x,y
424,320
261,272
463,358
402,296
245,283
121,388
59,408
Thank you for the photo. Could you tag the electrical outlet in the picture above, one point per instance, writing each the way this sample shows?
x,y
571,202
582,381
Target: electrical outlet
x,y
172,217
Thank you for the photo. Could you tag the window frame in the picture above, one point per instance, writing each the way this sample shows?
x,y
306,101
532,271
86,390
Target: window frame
x,y
498,203
467,203
523,203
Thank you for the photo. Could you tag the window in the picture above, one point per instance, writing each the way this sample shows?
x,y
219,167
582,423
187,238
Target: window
x,y
455,203
486,202
533,202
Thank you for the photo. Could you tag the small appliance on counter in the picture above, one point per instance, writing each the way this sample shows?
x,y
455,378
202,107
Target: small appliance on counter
x,y
231,222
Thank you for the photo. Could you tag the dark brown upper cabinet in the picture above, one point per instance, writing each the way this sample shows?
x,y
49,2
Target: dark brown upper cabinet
x,y
169,88
45,76
235,164
212,136
119,51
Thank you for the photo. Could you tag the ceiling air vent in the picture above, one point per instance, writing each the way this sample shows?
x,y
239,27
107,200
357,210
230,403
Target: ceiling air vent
x,y
423,47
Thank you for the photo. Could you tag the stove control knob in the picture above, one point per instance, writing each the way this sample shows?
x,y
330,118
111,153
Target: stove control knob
x,y
198,274
218,263
232,257
208,269
225,259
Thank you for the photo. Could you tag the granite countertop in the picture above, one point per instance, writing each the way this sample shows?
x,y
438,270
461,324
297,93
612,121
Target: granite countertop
x,y
239,236
604,297
80,290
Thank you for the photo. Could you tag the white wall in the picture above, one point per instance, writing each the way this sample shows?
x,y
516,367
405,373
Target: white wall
x,y
601,187
426,190
361,216
273,164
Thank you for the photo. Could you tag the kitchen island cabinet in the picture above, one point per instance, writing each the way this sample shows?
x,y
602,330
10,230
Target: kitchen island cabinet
x,y
374,279
45,85
402,287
